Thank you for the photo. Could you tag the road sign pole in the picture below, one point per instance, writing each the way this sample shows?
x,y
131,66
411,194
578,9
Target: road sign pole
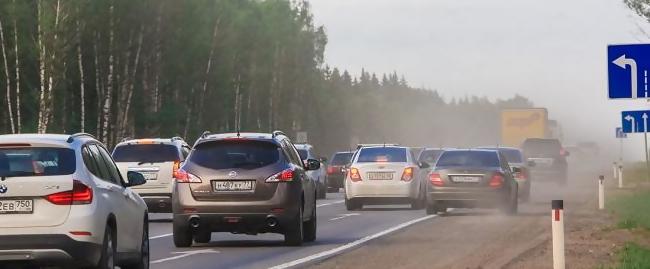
x,y
645,147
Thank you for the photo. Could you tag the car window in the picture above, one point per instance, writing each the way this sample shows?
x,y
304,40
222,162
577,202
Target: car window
x,y
512,155
185,150
110,164
542,148
293,153
469,159
304,154
382,154
430,156
150,153
104,172
341,158
90,162
36,161
228,154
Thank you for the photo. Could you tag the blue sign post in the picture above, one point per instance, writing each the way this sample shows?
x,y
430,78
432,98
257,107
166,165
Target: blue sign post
x,y
627,70
637,122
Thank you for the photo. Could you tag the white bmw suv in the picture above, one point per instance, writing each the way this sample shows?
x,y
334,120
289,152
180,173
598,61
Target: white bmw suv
x,y
64,202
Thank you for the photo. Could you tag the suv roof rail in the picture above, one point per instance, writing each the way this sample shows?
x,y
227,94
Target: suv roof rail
x,y
125,139
73,136
277,132
205,134
376,145
176,138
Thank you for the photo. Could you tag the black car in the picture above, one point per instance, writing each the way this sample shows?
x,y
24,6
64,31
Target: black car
x,y
335,173
246,183
547,159
472,179
430,155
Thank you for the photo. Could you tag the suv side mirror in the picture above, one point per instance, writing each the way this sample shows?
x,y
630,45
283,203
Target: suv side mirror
x,y
531,163
515,169
423,165
323,159
135,179
312,164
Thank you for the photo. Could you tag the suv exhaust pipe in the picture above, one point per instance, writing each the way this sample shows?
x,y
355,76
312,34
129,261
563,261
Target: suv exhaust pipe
x,y
271,221
195,222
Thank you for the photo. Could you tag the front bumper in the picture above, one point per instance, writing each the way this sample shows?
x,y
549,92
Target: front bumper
x,y
48,250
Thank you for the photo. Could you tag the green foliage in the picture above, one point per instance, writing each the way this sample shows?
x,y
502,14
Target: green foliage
x,y
632,210
634,256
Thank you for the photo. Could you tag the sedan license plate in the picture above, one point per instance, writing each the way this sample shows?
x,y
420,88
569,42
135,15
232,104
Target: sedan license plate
x,y
245,185
466,179
380,176
16,206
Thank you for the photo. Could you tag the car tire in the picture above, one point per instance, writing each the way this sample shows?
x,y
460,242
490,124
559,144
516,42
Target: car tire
x,y
435,207
525,197
182,236
512,205
145,256
293,234
109,250
322,191
310,227
418,204
203,237
353,204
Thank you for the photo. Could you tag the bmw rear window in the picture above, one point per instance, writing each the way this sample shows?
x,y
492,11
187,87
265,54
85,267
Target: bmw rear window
x,y
36,161
243,154
146,153
382,154
468,159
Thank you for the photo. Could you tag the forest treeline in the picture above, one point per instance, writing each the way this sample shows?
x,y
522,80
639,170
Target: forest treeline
x,y
160,68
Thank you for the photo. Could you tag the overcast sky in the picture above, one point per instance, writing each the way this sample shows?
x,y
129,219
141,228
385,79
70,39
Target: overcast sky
x,y
551,51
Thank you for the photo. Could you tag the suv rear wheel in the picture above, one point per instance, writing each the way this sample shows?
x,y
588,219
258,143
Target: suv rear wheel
x,y
310,226
203,237
293,234
182,236
435,207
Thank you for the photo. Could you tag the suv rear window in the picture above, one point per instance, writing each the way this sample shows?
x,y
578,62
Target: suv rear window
x,y
28,162
392,155
149,153
235,154
468,159
542,147
430,156
341,158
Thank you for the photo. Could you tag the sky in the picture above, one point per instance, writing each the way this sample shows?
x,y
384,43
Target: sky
x,y
553,52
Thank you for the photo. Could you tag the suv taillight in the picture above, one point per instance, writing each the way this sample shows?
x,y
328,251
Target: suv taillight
x,y
435,179
355,175
183,176
80,194
175,168
285,176
496,181
407,175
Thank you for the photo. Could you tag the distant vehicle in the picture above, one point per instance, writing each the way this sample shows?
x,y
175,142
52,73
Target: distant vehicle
x,y
472,179
430,155
335,173
548,158
306,152
519,167
63,202
246,183
385,175
158,159
519,124
589,148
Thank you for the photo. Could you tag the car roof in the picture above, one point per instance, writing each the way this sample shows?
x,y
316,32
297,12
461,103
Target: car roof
x,y
472,150
172,140
344,152
303,146
498,148
60,140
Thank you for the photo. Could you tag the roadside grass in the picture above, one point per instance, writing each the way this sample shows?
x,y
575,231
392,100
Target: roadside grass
x,y
635,173
633,256
632,211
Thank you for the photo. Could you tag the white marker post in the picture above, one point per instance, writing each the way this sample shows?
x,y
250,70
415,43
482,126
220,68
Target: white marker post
x,y
620,176
615,169
557,225
601,192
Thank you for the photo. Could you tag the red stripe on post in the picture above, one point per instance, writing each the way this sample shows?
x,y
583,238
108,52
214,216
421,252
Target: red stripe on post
x,y
557,215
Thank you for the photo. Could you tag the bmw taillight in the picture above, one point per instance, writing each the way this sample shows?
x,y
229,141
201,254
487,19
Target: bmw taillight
x,y
284,176
496,181
436,179
80,194
355,175
407,175
183,176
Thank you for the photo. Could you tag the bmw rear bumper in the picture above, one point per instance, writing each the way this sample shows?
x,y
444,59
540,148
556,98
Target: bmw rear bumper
x,y
48,250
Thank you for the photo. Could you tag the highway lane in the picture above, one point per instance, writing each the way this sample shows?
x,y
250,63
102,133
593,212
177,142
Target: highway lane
x,y
337,228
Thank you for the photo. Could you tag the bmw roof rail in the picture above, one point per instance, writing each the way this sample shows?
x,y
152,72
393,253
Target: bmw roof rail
x,y
176,138
205,134
125,139
276,133
73,136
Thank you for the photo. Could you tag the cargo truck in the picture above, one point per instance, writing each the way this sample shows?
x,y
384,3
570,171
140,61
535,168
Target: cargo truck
x,y
519,124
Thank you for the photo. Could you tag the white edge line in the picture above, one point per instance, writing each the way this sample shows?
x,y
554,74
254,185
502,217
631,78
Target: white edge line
x,y
321,205
350,245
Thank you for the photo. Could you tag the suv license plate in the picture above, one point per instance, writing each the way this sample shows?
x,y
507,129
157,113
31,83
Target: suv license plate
x,y
150,176
16,206
245,185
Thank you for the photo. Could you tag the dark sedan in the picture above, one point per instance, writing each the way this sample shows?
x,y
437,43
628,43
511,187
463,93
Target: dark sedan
x,y
335,174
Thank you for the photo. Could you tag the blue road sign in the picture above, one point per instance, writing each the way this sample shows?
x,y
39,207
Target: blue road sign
x,y
620,133
627,70
635,121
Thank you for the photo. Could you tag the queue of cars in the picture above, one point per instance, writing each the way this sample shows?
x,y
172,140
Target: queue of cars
x,y
92,207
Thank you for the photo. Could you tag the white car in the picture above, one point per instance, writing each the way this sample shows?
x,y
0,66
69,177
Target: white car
x,y
306,152
385,175
63,202
158,159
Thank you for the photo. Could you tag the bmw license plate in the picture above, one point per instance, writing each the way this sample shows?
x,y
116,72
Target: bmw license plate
x,y
466,179
16,206
240,185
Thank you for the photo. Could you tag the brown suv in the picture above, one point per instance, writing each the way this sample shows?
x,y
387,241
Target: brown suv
x,y
245,183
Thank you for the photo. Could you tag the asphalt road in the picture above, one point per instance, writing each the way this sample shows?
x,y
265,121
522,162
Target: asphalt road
x,y
338,231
